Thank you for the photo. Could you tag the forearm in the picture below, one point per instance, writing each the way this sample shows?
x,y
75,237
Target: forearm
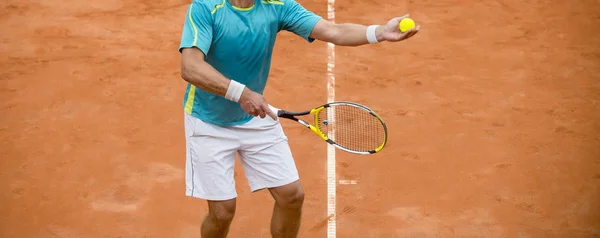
x,y
204,76
350,34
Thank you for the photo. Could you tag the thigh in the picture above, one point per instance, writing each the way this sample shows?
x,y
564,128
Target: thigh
x,y
266,156
210,160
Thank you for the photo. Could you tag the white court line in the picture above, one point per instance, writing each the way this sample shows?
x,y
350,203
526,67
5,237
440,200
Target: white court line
x,y
331,176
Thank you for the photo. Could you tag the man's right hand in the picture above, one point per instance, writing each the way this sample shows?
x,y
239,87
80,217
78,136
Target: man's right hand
x,y
255,104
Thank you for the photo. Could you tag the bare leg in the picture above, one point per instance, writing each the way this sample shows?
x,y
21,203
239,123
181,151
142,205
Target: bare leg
x,y
287,211
219,217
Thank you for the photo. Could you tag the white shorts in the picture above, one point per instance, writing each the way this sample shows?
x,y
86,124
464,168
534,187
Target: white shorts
x,y
262,147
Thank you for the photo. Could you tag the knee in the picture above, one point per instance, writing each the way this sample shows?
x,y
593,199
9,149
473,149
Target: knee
x,y
222,214
222,217
293,198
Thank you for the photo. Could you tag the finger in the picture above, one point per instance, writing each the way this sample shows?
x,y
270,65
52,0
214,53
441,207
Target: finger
x,y
415,31
396,20
402,17
262,113
270,112
274,109
264,110
410,33
253,112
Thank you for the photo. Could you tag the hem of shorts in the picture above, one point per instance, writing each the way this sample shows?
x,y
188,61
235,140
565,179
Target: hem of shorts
x,y
276,184
236,123
211,198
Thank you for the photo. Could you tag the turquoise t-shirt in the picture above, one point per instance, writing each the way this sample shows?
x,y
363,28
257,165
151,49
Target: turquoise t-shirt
x,y
238,42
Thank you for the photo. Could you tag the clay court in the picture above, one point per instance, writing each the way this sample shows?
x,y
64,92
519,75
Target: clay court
x,y
493,111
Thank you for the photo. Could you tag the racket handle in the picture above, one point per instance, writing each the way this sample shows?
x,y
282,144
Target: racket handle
x,y
274,110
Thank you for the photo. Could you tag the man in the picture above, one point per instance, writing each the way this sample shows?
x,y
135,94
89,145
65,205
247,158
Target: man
x,y
226,48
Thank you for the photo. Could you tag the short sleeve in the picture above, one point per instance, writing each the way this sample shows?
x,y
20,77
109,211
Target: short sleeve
x,y
197,28
295,18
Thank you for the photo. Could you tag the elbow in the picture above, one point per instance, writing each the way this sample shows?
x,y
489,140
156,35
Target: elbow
x,y
334,35
328,32
335,41
192,65
186,72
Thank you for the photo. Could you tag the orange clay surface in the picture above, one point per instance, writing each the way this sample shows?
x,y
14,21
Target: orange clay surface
x,y
493,111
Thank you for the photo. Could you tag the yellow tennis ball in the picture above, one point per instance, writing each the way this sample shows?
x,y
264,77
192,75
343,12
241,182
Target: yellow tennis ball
x,y
406,24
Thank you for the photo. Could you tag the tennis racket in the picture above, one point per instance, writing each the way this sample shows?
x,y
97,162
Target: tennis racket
x,y
348,126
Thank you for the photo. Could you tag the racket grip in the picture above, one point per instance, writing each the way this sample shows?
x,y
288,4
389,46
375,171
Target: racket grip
x,y
274,110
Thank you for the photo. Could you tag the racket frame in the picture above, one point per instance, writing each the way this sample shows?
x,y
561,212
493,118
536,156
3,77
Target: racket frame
x,y
317,130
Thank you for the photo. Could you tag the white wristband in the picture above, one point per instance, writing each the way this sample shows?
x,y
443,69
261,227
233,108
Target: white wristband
x,y
234,91
371,35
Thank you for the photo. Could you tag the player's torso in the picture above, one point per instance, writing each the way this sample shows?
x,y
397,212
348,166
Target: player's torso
x,y
243,40
242,33
241,49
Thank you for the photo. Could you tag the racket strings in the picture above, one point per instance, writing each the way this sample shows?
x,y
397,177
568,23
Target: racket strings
x,y
352,127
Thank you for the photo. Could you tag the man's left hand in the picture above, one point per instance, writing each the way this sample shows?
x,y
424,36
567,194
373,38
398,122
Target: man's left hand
x,y
391,31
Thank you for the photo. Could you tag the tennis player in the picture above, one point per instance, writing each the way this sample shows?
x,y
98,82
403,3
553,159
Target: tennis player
x,y
226,48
